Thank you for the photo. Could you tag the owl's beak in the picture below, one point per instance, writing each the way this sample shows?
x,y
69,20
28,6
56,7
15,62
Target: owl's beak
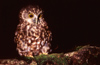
x,y
36,21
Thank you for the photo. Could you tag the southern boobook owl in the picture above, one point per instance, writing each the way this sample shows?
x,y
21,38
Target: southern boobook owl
x,y
32,35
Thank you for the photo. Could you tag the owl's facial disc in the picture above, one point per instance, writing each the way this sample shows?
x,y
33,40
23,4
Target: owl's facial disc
x,y
32,16
35,18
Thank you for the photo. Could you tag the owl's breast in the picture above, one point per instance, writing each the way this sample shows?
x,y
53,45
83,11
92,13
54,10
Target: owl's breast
x,y
32,39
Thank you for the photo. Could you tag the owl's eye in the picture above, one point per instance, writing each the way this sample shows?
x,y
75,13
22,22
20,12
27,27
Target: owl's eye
x,y
40,15
30,15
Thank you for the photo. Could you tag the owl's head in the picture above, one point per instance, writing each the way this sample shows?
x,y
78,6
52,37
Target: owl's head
x,y
31,14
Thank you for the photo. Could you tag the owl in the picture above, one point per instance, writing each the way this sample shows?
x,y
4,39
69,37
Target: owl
x,y
32,34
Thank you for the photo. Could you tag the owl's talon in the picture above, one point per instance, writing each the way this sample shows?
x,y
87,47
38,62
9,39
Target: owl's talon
x,y
45,53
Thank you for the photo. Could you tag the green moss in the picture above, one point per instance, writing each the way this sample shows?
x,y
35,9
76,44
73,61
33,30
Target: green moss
x,y
95,56
84,64
78,47
28,58
57,59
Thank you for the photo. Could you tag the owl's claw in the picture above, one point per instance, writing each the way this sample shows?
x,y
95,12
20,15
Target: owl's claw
x,y
30,56
45,53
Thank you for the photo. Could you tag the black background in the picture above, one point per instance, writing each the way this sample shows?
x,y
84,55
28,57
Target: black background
x,y
72,22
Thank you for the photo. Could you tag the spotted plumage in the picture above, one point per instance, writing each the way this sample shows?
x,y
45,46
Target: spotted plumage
x,y
32,35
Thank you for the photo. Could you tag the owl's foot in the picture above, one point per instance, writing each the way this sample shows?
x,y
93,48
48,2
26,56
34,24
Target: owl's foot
x,y
40,53
43,53
30,56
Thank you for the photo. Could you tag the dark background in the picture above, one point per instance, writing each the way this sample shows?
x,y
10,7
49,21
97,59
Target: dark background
x,y
72,22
